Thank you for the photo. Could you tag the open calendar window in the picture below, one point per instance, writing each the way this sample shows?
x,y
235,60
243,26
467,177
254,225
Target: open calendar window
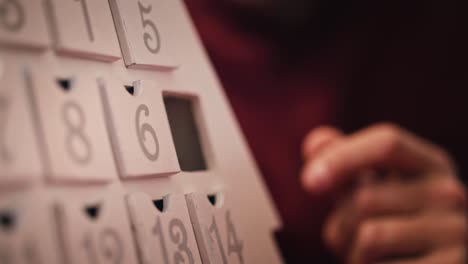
x,y
185,132
117,144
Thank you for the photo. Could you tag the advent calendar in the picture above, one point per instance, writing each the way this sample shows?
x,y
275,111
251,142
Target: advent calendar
x,y
117,143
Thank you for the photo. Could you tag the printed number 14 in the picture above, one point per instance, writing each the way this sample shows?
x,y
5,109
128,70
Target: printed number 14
x,y
233,243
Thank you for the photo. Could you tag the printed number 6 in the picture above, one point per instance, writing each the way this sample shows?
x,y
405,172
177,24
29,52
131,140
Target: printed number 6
x,y
141,132
12,22
147,36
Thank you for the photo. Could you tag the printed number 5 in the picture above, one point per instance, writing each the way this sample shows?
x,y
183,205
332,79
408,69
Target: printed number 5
x,y
147,37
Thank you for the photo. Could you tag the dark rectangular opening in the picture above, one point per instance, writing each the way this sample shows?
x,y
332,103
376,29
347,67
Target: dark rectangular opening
x,y
185,132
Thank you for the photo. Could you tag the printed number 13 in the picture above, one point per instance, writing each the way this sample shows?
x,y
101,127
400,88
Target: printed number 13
x,y
152,42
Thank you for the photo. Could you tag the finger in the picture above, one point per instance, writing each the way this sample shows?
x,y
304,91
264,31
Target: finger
x,y
405,198
318,139
332,234
395,199
378,239
335,231
381,146
454,255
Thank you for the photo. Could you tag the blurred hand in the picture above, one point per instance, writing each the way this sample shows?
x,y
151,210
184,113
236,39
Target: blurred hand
x,y
399,197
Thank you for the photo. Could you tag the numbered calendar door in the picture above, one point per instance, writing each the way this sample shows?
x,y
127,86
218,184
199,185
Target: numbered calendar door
x,y
163,229
83,28
27,235
143,27
96,231
219,239
139,129
75,132
23,24
20,159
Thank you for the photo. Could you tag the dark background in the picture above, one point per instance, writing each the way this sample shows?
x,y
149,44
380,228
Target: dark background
x,y
294,65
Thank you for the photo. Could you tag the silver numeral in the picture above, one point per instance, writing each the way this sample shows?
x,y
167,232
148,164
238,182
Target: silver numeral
x,y
178,235
31,255
84,8
6,255
76,136
12,15
152,41
144,129
157,231
5,156
214,229
110,247
234,245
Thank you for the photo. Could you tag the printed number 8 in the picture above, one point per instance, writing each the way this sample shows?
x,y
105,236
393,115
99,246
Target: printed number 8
x,y
76,133
148,23
12,22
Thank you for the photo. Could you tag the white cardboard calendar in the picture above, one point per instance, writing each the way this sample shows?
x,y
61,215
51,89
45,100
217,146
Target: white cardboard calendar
x,y
113,121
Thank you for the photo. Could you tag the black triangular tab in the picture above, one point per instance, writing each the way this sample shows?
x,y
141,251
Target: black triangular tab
x,y
212,199
130,89
7,220
65,84
93,211
159,204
